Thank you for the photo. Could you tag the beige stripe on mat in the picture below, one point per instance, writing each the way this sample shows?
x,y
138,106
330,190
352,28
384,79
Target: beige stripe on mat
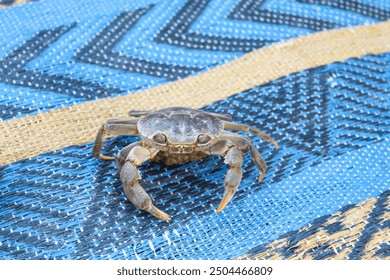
x,y
340,243
29,136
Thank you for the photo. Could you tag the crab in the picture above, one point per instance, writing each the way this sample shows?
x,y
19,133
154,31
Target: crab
x,y
177,135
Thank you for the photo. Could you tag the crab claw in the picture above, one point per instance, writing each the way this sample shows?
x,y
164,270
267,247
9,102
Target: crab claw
x,y
261,176
232,180
227,196
137,195
157,213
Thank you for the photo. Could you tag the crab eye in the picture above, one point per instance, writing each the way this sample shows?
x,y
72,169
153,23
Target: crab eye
x,y
160,138
204,139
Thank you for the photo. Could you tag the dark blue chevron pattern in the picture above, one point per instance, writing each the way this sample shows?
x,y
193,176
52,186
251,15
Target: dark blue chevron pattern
x,y
357,105
251,10
6,2
376,224
177,32
333,130
289,245
358,7
174,40
13,69
105,55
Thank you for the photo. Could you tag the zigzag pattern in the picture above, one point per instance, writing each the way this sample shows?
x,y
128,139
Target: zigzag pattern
x,y
364,96
105,56
255,24
251,10
176,32
353,6
14,71
356,114
324,238
318,115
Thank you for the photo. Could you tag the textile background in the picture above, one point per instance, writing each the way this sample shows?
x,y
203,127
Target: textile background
x,y
314,74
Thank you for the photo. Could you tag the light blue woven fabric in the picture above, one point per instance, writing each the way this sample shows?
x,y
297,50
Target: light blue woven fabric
x,y
331,123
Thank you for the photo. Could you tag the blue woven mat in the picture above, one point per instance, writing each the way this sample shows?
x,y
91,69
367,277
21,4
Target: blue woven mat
x,y
332,124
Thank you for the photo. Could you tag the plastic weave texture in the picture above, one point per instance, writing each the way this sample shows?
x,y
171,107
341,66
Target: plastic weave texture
x,y
326,193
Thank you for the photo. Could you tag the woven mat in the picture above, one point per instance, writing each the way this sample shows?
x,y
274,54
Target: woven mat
x,y
314,74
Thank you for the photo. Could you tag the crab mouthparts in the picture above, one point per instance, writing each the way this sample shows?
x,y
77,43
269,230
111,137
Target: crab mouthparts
x,y
181,149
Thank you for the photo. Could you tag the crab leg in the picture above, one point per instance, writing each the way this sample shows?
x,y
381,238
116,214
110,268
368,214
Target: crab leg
x,y
224,117
245,144
123,153
116,127
123,121
233,146
259,161
246,128
233,177
139,113
130,175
